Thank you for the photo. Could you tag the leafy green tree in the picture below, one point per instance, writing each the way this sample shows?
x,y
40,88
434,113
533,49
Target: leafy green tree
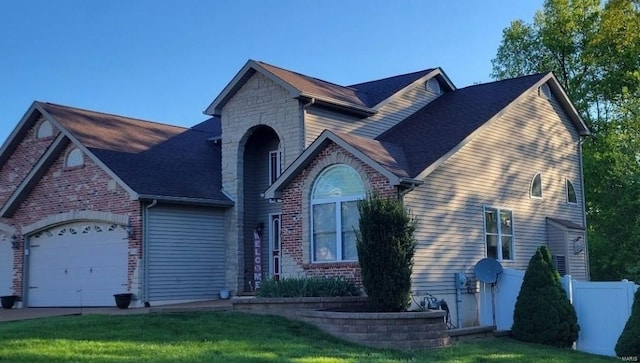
x,y
543,313
628,344
593,48
386,246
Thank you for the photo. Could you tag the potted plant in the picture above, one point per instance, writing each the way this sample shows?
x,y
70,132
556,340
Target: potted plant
x,y
123,300
8,301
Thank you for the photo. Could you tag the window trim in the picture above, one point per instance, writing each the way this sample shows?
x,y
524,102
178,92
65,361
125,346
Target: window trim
x,y
337,201
68,156
432,85
278,166
42,124
567,183
531,187
499,233
544,91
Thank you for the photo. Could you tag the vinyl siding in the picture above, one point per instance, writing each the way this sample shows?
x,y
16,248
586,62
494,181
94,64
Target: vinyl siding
x,y
495,169
184,253
557,242
397,109
576,262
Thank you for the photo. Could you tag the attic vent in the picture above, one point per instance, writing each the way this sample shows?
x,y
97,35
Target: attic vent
x,y
544,91
432,85
560,263
44,130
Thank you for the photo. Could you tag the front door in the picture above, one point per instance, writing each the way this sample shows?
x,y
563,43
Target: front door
x,y
274,239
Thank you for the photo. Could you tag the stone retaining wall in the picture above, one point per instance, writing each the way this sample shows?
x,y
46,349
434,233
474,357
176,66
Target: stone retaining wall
x,y
406,330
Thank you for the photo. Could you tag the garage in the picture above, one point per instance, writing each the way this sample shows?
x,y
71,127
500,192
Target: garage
x,y
6,264
78,264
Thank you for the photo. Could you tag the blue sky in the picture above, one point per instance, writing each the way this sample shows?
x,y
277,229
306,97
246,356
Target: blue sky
x,y
165,61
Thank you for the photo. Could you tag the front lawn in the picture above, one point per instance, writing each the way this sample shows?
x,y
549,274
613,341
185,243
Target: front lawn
x,y
229,337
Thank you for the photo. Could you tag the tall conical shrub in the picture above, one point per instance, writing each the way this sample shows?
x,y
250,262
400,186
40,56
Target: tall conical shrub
x,y
386,246
628,344
543,313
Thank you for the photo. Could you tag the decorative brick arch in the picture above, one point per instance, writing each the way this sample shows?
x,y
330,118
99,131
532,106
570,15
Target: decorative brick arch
x,y
83,215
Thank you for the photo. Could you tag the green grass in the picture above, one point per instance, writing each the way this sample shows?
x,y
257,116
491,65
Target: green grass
x,y
229,337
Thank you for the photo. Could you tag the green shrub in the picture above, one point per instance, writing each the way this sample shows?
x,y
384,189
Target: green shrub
x,y
628,344
543,313
318,286
386,246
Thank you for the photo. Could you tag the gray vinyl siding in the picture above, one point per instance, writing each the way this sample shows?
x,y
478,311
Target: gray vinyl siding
x,y
557,240
576,261
495,169
184,253
397,109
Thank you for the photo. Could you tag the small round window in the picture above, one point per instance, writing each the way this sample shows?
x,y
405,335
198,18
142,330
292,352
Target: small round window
x,y
74,158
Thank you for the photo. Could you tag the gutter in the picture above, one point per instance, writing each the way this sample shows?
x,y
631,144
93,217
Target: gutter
x,y
185,200
584,208
145,242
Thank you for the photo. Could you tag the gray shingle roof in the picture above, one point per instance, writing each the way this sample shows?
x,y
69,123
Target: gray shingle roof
x,y
440,126
367,94
151,158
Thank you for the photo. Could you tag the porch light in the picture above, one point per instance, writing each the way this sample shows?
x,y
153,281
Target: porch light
x,y
14,242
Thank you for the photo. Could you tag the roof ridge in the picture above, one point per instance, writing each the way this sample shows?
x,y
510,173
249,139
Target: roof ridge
x,y
112,115
390,77
304,75
539,74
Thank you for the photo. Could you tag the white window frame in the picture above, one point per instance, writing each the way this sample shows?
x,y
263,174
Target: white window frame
x,y
544,91
45,130
531,187
566,191
74,159
337,201
499,234
433,85
278,166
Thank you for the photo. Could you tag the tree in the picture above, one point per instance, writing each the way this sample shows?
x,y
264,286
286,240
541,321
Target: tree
x,y
543,313
594,51
386,246
628,344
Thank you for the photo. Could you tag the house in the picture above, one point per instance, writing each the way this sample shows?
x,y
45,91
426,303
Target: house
x,y
267,187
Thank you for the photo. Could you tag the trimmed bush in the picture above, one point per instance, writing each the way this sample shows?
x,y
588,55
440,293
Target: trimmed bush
x,y
628,344
318,286
386,246
543,313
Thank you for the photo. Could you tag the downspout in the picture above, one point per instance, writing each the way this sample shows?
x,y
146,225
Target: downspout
x,y
584,209
145,241
304,118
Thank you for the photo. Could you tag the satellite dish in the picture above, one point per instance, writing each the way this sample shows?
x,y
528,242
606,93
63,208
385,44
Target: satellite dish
x,y
488,270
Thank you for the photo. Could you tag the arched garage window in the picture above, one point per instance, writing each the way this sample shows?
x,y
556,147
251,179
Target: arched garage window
x,y
334,214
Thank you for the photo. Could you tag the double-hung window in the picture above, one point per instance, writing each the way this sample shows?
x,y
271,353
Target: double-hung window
x,y
334,214
499,233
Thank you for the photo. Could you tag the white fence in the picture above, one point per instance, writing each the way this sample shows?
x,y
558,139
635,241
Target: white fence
x,y
603,308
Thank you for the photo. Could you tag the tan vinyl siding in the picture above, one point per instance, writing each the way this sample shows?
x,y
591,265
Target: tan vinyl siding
x,y
495,169
397,109
557,240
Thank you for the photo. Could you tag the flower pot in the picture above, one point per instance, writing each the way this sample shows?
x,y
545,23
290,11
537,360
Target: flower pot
x,y
123,300
224,294
8,301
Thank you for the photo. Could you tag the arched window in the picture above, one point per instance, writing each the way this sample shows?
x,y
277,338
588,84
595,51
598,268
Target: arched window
x,y
571,193
334,214
74,158
433,86
44,130
536,186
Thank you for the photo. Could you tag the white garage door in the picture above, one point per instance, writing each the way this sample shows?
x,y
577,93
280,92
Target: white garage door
x,y
79,264
6,264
